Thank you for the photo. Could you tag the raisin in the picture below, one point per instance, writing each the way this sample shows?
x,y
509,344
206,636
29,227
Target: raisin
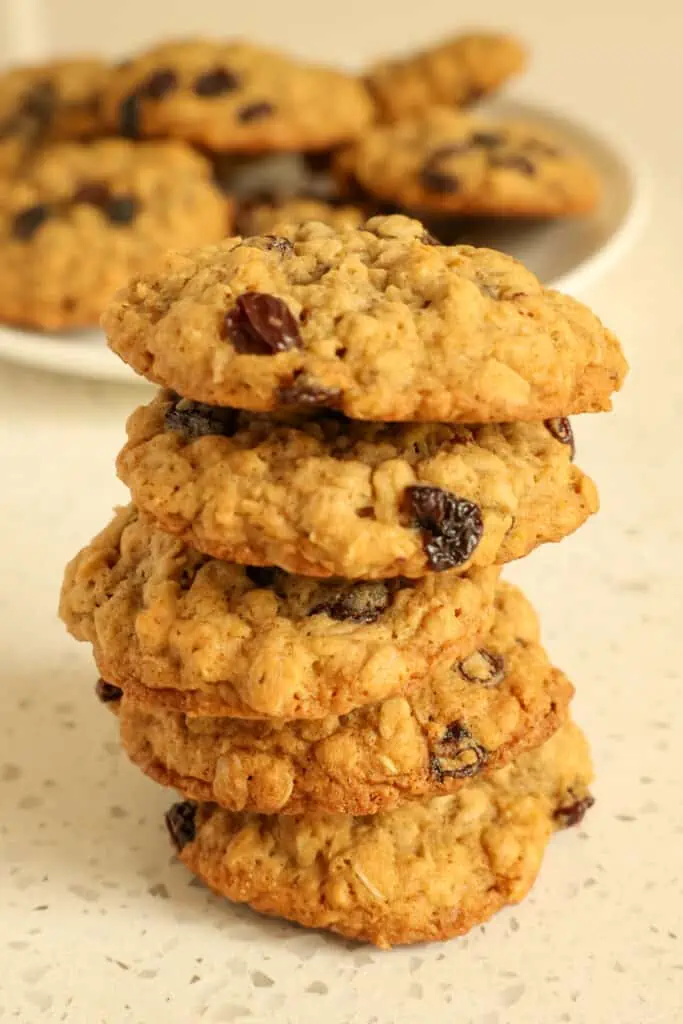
x,y
363,602
180,822
561,429
457,755
255,111
195,419
573,814
483,667
452,526
438,181
129,117
107,692
261,324
216,82
94,193
486,140
513,162
121,209
159,84
261,575
305,390
29,221
39,102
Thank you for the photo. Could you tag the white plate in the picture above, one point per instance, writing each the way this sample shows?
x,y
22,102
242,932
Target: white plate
x,y
569,254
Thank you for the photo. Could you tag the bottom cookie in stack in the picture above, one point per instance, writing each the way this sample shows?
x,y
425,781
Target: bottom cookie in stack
x,y
426,870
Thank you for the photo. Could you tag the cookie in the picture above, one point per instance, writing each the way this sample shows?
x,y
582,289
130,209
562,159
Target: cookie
x,y
236,97
467,717
48,103
195,634
325,496
378,322
426,870
85,217
443,161
455,73
276,218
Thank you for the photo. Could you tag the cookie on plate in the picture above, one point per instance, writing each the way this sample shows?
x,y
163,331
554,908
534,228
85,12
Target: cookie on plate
x,y
325,496
178,629
455,72
233,96
426,870
378,322
467,717
268,218
48,103
85,217
443,161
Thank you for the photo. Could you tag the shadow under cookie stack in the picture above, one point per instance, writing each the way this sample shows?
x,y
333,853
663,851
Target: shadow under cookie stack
x,y
300,619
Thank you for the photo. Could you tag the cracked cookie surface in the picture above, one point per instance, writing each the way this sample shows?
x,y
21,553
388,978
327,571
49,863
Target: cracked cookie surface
x,y
324,496
379,322
179,630
465,718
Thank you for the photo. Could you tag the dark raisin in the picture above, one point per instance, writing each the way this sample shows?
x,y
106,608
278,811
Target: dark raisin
x,y
471,95
457,755
39,102
513,162
486,140
129,117
366,512
107,692
438,181
261,324
29,221
180,822
573,814
362,602
561,429
159,84
261,575
483,667
305,390
216,82
276,243
94,193
121,209
452,526
255,111
195,419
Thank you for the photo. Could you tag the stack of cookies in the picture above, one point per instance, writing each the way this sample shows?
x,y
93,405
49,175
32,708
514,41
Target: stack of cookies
x,y
299,620
190,140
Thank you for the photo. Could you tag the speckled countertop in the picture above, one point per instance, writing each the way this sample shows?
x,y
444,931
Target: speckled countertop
x,y
97,923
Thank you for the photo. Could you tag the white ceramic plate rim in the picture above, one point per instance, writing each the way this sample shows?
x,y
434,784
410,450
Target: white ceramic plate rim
x,y
83,353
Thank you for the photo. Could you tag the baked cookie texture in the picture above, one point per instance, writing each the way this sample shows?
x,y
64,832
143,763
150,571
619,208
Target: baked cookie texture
x,y
234,96
379,323
443,161
467,717
183,631
83,218
278,217
324,496
426,870
455,72
48,103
